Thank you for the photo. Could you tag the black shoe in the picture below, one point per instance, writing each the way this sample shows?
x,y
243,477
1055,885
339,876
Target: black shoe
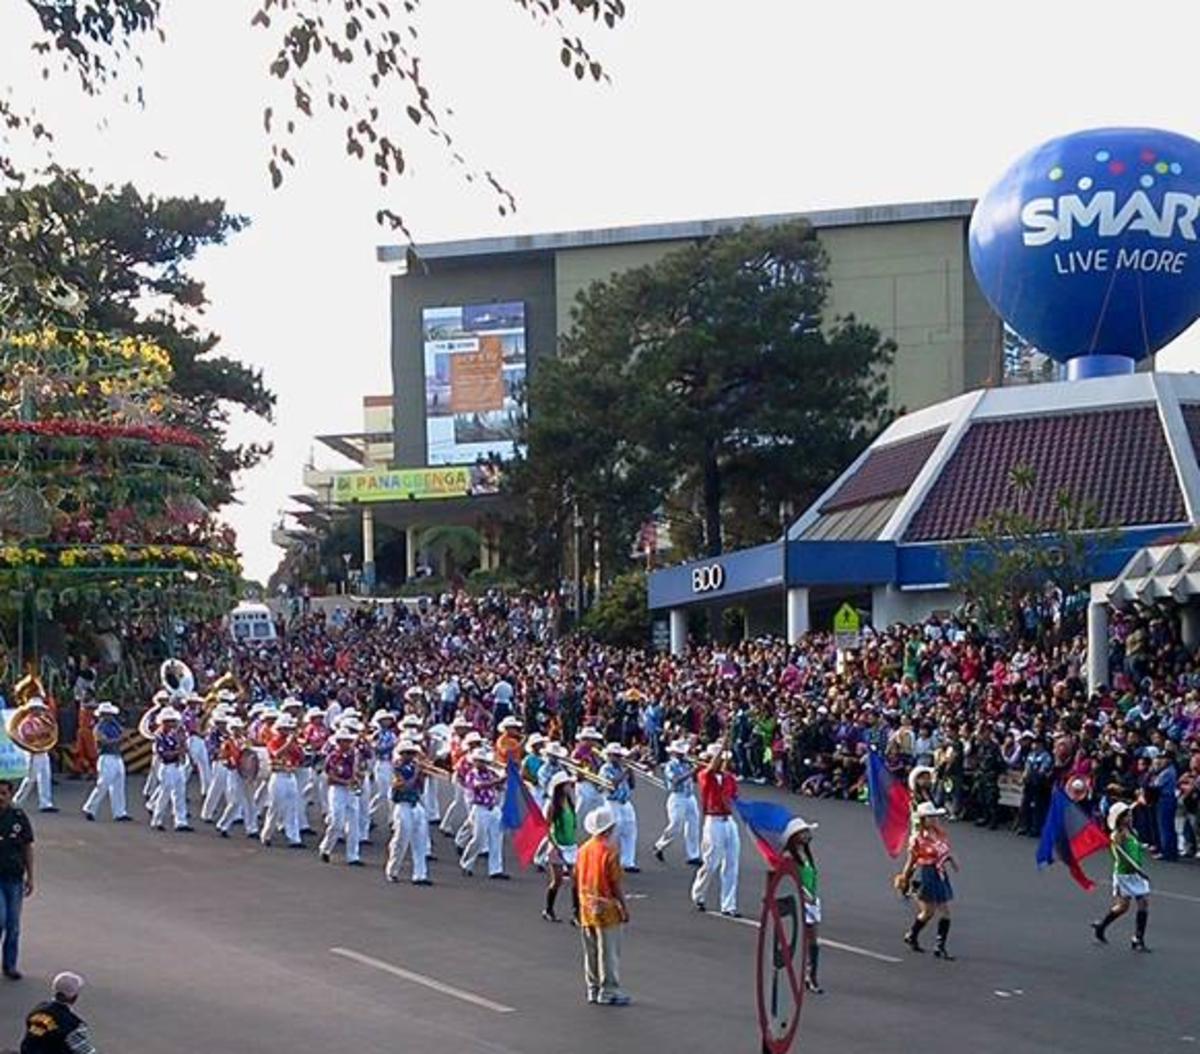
x,y
422,881
940,952
549,916
187,828
223,834
812,986
208,821
699,904
157,827
1137,944
696,863
13,975
355,863
658,855
500,876
1098,933
296,845
732,914
633,870
911,940
122,819
49,808
325,858
90,817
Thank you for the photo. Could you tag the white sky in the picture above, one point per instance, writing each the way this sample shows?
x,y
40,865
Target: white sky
x,y
717,108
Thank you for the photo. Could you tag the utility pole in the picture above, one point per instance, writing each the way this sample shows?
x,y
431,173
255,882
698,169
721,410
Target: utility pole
x,y
577,571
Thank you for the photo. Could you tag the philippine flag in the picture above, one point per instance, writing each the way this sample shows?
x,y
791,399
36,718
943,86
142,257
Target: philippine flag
x,y
890,804
766,822
522,816
1070,835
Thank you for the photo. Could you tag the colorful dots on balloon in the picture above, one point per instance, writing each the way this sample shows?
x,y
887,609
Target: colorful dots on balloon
x,y
1102,156
1162,168
1056,172
1085,183
1116,167
1147,181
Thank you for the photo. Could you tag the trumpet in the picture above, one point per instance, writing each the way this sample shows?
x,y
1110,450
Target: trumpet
x,y
579,772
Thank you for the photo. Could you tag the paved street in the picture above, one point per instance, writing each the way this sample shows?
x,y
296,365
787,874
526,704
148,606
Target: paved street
x,y
191,943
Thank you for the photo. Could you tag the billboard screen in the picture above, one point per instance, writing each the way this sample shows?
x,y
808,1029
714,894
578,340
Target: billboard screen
x,y
474,381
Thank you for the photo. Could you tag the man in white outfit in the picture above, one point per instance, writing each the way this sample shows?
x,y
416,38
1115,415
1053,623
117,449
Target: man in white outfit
x,y
170,747
39,773
721,843
410,828
241,789
683,815
343,770
460,730
484,787
110,766
619,799
220,778
283,810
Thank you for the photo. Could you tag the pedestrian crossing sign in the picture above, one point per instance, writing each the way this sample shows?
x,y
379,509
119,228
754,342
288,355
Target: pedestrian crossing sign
x,y
846,627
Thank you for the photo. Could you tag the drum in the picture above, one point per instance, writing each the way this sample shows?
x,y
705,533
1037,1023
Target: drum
x,y
33,728
248,765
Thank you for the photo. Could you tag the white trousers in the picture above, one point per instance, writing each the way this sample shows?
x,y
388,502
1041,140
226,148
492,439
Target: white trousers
x,y
39,776
627,829
587,797
364,814
198,752
110,781
219,790
283,809
173,790
431,800
343,821
152,779
410,833
719,850
683,819
457,807
240,803
383,787
485,835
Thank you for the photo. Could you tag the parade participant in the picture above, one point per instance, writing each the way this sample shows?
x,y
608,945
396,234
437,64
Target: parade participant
x,y
618,798
241,781
192,717
586,756
797,843
508,743
285,755
683,817
552,756
86,753
313,738
343,771
925,875
531,764
383,742
219,781
412,727
472,741
602,909
150,721
40,774
110,766
559,811
460,727
53,1027
16,877
483,785
261,738
410,828
921,788
1131,883
721,843
170,747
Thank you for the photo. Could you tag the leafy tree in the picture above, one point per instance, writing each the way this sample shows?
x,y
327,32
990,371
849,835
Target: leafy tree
x,y
621,615
357,59
110,259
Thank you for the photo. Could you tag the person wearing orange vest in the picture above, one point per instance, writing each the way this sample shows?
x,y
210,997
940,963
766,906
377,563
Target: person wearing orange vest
x,y
508,743
283,808
602,909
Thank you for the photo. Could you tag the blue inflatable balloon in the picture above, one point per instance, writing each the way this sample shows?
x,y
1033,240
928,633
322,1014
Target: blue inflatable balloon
x,y
1088,245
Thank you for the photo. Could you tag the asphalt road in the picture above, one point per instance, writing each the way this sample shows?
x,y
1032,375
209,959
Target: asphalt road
x,y
192,943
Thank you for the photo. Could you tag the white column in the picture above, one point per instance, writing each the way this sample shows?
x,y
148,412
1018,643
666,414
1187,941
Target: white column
x,y
797,613
678,631
1189,624
1097,645
368,535
412,543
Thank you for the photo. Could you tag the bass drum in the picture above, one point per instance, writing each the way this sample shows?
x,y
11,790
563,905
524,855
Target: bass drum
x,y
249,765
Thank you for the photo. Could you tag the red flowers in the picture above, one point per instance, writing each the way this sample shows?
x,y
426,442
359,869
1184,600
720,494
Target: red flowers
x,y
160,435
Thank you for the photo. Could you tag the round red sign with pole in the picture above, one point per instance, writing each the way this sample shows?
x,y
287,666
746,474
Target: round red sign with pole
x,y
782,952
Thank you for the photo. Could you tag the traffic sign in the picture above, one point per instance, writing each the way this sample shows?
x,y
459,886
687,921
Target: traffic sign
x,y
847,627
782,952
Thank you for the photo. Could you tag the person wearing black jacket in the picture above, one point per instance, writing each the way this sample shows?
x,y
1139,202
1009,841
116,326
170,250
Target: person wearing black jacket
x,y
53,1027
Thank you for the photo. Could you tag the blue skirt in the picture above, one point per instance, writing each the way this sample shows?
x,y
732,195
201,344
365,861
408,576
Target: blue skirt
x,y
932,886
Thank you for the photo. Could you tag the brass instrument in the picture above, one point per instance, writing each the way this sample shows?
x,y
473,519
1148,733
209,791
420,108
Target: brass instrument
x,y
430,769
177,677
28,687
579,772
148,723
33,728
647,773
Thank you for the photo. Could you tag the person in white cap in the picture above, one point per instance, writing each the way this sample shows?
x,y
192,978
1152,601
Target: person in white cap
x,y
410,828
384,738
1131,882
40,774
150,722
683,815
797,843
721,844
110,766
586,756
219,778
460,730
191,716
170,747
602,909
619,799
53,1027
472,741
343,770
484,786
243,777
926,871
286,755
561,839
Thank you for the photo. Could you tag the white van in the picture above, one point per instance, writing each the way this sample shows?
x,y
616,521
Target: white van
x,y
251,622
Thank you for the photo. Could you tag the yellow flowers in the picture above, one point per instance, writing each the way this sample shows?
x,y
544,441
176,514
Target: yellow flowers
x,y
156,557
95,353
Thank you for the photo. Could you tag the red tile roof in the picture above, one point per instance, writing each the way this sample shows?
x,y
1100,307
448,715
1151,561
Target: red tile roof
x,y
1117,459
887,471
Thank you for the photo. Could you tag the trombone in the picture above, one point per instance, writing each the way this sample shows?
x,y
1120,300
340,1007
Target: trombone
x,y
579,772
647,773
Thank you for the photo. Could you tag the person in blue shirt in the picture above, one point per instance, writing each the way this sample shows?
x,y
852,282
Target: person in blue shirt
x,y
619,800
683,814
1163,779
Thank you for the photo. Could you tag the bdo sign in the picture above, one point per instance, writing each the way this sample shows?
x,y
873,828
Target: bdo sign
x,y
1089,246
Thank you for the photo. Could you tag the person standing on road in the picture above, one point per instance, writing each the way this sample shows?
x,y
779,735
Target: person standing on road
x,y
410,826
53,1027
110,766
925,871
484,785
344,773
16,876
683,818
559,811
602,909
721,844
619,795
1131,883
797,841
170,747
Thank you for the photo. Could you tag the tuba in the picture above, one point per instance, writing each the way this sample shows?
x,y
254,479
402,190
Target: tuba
x,y
34,728
176,677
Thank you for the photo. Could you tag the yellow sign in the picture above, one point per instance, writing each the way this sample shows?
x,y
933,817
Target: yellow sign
x,y
406,484
846,620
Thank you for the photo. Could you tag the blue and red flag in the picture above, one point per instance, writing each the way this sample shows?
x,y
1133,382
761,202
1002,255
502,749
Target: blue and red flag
x,y
1070,835
890,803
766,821
521,816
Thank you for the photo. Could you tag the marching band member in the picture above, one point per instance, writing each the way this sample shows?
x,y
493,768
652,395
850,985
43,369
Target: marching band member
x,y
412,727
219,778
484,786
683,817
343,770
40,774
721,842
283,809
586,756
150,718
531,765
313,737
560,814
366,783
110,766
797,843
1131,883
472,741
553,756
170,747
384,742
619,801
410,828
925,871
197,749
261,737
508,743
460,727
240,798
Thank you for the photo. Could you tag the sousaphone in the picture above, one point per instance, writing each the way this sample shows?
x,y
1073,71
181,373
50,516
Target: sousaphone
x,y
34,728
177,677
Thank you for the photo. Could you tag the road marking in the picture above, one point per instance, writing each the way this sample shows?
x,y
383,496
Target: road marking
x,y
1175,896
852,949
421,979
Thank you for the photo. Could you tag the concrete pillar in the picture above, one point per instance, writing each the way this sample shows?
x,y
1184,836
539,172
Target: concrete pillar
x,y
1097,645
884,603
797,613
1189,624
412,546
678,631
368,535
485,550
